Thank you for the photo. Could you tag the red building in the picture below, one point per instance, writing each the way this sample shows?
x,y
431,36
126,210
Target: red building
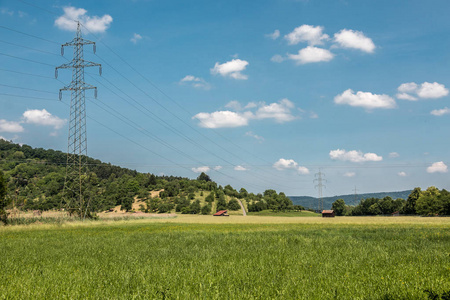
x,y
328,214
221,213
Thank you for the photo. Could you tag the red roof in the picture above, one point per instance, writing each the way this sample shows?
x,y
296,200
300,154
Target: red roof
x,y
220,212
327,211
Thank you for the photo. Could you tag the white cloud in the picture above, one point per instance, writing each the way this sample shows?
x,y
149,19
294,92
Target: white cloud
x,y
311,54
231,69
93,24
42,117
393,155
280,112
405,96
306,33
432,90
240,168
255,136
303,170
284,164
401,174
217,168
220,119
440,112
10,126
347,38
408,87
277,58
313,115
136,37
349,174
234,105
6,11
366,100
425,90
196,82
437,167
201,169
354,156
251,105
274,35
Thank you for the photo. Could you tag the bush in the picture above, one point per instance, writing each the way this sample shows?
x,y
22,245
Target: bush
x,y
234,205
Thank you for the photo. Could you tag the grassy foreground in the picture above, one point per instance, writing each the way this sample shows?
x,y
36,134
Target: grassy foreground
x,y
228,258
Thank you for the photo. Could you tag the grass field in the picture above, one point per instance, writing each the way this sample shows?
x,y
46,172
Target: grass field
x,y
192,257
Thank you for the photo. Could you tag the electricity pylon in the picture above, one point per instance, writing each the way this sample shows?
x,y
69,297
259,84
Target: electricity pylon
x,y
76,168
319,187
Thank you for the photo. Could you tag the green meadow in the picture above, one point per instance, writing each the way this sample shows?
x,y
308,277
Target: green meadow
x,y
262,258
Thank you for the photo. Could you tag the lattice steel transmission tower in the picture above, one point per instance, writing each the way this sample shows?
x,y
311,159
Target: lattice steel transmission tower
x,y
319,187
76,168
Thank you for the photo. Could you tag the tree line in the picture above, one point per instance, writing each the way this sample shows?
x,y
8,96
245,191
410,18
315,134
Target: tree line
x,y
430,202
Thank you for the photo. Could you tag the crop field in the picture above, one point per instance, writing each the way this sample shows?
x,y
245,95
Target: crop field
x,y
205,257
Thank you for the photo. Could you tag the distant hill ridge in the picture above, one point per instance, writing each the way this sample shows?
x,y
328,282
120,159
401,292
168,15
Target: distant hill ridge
x,y
349,199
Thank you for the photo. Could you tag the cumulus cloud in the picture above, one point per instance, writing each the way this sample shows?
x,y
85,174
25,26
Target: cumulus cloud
x,y
240,168
365,99
354,156
347,38
234,105
311,54
196,82
231,69
274,35
94,24
280,112
412,91
401,174
349,174
406,96
306,33
440,112
136,37
285,164
221,119
42,117
255,136
10,126
393,155
201,169
277,58
217,168
438,167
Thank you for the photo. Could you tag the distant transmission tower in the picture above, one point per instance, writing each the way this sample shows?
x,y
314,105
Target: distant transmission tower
x,y
76,168
319,187
356,195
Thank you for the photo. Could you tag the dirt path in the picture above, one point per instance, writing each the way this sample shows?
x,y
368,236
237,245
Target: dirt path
x,y
244,213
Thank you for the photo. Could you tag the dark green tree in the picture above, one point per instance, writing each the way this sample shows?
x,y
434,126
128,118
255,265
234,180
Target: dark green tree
x,y
206,210
410,207
428,204
203,176
3,199
339,207
233,204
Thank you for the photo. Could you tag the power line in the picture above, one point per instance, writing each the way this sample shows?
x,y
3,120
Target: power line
x,y
261,177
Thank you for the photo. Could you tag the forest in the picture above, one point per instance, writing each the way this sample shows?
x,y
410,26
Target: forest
x,y
34,180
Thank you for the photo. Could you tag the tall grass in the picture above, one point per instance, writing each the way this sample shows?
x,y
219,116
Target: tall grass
x,y
142,260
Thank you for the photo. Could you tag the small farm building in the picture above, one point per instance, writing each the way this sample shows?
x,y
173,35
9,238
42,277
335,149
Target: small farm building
x,y
328,214
222,213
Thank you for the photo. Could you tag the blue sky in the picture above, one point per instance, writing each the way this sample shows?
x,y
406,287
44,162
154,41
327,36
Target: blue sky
x,y
259,94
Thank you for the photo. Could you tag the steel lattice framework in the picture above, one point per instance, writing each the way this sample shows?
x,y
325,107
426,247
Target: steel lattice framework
x,y
76,201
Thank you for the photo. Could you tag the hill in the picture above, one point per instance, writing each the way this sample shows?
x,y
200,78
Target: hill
x,y
349,199
35,181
